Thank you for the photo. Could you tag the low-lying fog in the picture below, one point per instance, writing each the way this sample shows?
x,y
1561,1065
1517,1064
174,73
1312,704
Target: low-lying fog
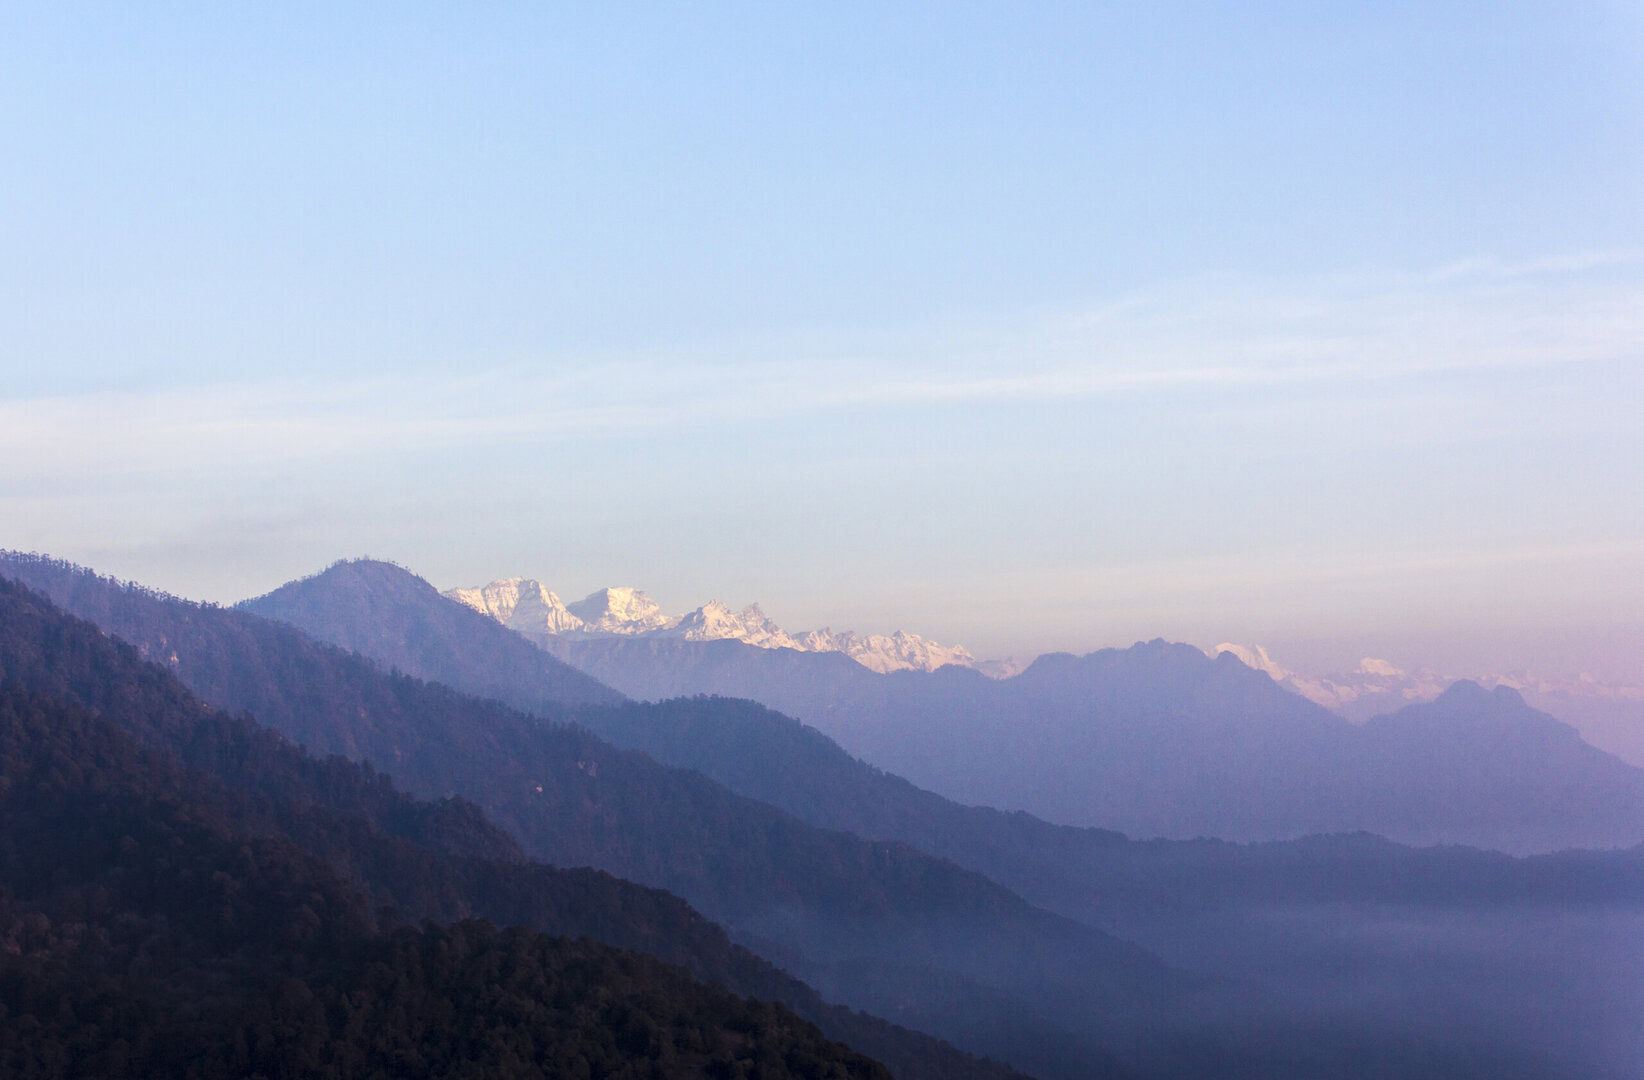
x,y
1489,992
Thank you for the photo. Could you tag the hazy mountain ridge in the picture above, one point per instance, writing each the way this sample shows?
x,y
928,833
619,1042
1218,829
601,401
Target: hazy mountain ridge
x,y
768,756
526,606
1193,899
1160,740
1609,715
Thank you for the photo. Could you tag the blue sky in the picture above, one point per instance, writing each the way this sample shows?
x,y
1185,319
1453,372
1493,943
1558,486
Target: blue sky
x,y
1028,326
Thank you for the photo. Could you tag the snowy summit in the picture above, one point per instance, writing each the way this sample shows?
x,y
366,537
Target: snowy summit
x,y
525,605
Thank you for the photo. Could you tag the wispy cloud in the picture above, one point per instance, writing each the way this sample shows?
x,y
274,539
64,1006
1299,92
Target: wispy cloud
x,y
1550,266
1200,335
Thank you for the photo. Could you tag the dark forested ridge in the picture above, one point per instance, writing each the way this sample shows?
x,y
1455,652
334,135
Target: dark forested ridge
x,y
400,704
567,796
439,861
1093,873
141,935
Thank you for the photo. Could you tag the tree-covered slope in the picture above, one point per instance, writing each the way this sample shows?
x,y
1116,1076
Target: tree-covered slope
x,y
441,861
821,903
142,935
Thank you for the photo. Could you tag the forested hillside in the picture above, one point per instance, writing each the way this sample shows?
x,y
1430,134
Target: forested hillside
x,y
141,935
894,908
439,861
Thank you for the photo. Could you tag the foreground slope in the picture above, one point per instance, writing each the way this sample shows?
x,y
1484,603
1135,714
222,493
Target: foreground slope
x,y
866,921
145,936
440,861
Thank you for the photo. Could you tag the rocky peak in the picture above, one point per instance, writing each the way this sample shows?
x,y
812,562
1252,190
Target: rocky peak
x,y
715,621
524,604
519,604
620,610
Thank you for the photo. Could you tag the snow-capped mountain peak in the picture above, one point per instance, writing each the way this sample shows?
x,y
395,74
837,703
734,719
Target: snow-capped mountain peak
x,y
520,604
900,651
1374,686
524,604
715,621
1254,657
620,610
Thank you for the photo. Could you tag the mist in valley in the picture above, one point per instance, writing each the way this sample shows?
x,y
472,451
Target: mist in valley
x,y
842,542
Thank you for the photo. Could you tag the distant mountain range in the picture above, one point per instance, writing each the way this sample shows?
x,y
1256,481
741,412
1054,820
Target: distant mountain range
x,y
1161,740
754,824
1301,905
1155,740
1609,715
528,607
1373,688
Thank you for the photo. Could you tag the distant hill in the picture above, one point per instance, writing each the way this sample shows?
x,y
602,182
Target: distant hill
x,y
1608,714
378,609
1160,740
1613,725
